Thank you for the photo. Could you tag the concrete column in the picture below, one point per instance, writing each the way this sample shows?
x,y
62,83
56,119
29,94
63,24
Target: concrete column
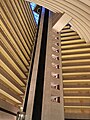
x,y
53,108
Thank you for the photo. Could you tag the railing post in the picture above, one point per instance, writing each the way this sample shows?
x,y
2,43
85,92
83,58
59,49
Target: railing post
x,y
20,116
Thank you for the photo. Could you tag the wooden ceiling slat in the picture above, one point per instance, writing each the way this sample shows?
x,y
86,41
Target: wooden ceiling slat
x,y
76,97
6,53
76,81
6,41
75,76
76,62
84,68
73,42
77,84
77,93
77,111
75,46
10,79
4,66
77,89
79,51
21,22
80,107
26,9
70,38
76,56
9,93
9,65
13,42
23,29
28,15
14,34
66,31
77,102
9,84
7,100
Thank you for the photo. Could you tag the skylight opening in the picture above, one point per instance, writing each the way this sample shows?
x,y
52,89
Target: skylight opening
x,y
36,15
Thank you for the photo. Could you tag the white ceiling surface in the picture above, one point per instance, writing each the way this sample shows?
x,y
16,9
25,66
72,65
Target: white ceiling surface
x,y
79,10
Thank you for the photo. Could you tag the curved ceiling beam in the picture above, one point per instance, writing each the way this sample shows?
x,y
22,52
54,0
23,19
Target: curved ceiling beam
x,y
80,5
87,2
79,10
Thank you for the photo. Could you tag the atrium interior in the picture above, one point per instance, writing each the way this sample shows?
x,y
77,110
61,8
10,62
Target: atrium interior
x,y
45,60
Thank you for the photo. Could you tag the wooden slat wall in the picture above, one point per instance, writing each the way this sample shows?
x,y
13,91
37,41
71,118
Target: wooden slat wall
x,y
17,32
76,74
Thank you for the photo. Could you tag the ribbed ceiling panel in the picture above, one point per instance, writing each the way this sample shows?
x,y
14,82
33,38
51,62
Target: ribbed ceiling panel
x,y
17,32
